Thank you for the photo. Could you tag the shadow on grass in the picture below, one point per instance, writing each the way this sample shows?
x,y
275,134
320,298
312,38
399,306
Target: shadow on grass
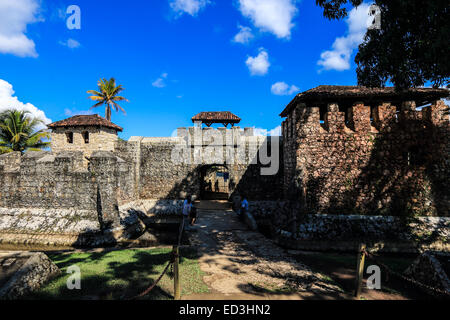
x,y
340,268
116,274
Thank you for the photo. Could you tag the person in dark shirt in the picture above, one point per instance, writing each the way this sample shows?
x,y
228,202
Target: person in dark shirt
x,y
193,215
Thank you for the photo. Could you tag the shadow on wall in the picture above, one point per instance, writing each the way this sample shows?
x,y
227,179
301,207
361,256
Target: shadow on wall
x,y
244,178
405,173
256,185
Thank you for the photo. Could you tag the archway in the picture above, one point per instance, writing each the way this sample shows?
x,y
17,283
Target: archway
x,y
214,182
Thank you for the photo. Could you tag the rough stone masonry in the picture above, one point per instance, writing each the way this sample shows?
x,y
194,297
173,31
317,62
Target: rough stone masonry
x,y
343,150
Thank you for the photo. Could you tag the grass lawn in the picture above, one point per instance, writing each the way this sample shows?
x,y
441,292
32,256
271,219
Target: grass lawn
x,y
122,274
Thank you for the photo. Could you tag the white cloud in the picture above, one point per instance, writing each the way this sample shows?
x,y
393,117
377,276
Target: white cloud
x,y
160,82
15,15
260,64
244,35
264,132
274,16
339,57
191,7
70,43
283,89
8,101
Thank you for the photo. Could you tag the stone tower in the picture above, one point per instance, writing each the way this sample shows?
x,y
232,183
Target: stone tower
x,y
87,133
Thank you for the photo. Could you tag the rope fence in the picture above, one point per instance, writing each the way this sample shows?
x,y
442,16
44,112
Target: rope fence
x,y
428,288
364,253
172,262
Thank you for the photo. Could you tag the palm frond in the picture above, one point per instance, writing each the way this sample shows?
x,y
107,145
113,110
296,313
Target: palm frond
x,y
106,95
98,104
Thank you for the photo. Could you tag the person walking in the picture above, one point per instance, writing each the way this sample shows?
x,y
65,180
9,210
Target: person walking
x,y
187,206
193,215
243,207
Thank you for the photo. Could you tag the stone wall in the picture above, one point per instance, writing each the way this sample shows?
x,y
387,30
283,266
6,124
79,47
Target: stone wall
x,y
373,228
172,167
99,139
383,233
60,183
374,160
48,194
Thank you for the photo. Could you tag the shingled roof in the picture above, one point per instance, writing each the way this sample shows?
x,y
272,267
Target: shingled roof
x,y
210,117
93,120
350,94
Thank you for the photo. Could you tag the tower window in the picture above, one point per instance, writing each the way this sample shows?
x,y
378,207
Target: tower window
x,y
85,135
69,136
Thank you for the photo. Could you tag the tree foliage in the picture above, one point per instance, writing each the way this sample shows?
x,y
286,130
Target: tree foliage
x,y
18,132
107,95
411,48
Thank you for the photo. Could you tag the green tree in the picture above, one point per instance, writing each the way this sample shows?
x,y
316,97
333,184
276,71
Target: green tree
x,y
108,96
411,47
18,132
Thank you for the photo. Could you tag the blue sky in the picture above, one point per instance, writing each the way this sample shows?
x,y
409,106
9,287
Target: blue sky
x,y
174,58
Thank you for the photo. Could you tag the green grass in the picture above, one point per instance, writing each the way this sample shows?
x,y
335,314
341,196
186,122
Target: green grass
x,y
122,274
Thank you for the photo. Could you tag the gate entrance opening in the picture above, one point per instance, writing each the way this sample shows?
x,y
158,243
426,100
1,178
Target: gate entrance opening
x,y
215,180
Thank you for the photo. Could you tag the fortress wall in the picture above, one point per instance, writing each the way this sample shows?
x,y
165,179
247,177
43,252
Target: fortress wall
x,y
39,183
160,177
171,168
57,192
391,161
46,180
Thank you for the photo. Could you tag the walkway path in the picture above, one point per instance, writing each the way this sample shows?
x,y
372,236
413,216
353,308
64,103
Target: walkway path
x,y
243,264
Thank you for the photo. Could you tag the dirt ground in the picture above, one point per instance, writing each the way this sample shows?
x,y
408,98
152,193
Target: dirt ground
x,y
243,264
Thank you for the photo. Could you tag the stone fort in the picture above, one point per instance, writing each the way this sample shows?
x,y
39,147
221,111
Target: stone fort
x,y
345,151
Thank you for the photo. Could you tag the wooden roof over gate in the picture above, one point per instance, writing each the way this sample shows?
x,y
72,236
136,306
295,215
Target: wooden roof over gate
x,y
210,117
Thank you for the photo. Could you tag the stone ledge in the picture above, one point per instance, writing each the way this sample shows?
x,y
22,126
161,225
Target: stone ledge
x,y
420,230
352,246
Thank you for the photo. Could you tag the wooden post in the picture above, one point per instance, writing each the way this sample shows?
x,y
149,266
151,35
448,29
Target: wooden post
x,y
359,270
176,276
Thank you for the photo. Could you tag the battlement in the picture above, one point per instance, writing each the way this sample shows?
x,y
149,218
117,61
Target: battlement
x,y
359,155
64,162
197,136
360,118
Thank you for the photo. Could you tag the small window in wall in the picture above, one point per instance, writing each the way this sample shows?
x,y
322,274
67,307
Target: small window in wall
x,y
322,112
372,115
343,107
85,135
69,136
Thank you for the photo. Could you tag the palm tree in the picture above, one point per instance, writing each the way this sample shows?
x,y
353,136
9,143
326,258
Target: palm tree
x,y
18,132
107,95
